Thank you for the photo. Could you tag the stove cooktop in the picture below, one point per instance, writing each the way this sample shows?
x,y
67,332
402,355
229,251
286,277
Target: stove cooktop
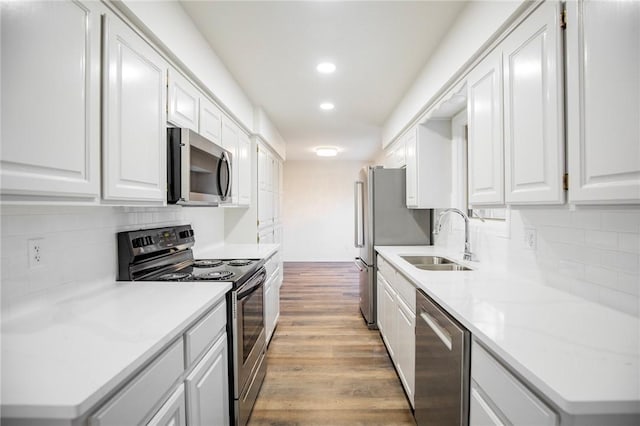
x,y
210,270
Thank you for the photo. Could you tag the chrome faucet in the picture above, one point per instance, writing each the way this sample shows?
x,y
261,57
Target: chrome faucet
x,y
467,246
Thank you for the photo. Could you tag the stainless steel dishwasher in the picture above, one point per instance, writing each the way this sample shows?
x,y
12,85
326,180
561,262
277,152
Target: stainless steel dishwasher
x,y
442,366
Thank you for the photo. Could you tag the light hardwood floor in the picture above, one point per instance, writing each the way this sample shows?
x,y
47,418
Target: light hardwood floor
x,y
325,367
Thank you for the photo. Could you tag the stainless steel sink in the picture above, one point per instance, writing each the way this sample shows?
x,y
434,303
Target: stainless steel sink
x,y
435,263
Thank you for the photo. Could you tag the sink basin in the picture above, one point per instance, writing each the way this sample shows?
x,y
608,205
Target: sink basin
x,y
435,263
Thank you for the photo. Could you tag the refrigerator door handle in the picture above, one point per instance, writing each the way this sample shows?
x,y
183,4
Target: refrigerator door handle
x,y
360,264
359,215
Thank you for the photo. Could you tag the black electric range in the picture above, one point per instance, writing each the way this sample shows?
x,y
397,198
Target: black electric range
x,y
164,254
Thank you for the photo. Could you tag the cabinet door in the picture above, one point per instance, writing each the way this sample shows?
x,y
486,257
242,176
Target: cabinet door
x,y
484,108
50,103
244,170
210,120
480,412
262,168
411,158
268,309
184,100
380,310
172,412
406,347
207,388
390,319
603,101
134,117
230,133
534,109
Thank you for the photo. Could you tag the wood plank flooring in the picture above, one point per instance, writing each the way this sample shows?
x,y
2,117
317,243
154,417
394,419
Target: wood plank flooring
x,y
325,367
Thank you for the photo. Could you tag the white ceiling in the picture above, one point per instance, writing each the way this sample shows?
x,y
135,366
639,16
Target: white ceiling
x,y
273,47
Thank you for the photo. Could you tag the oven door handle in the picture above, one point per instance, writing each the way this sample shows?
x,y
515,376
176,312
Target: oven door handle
x,y
252,285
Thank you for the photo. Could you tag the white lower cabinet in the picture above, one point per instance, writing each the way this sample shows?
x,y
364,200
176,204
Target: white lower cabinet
x,y
272,295
397,322
133,404
480,412
406,347
187,384
498,397
207,388
172,412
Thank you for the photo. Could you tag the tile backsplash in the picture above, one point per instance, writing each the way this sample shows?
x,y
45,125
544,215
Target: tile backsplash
x,y
78,244
592,252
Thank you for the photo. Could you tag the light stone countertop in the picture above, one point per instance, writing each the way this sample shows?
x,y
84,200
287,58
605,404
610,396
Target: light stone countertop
x,y
61,355
583,356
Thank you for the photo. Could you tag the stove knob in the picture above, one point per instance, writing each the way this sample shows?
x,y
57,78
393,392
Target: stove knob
x,y
137,242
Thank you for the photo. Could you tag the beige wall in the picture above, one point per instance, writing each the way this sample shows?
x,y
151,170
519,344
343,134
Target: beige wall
x,y
318,210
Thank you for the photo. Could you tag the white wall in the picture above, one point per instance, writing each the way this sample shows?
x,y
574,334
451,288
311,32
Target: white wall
x,y
79,243
318,210
478,21
269,133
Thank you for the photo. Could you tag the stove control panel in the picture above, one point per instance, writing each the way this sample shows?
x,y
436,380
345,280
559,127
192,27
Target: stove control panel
x,y
149,241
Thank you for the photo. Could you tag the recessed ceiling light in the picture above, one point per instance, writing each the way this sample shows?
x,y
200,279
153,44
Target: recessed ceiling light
x,y
326,67
326,151
327,106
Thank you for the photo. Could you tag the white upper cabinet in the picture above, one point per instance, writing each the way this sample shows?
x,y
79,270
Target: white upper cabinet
x,y
210,120
50,103
428,161
533,111
411,152
184,98
603,101
484,109
244,169
134,117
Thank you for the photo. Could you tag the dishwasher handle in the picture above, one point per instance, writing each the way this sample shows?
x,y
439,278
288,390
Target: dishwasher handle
x,y
440,332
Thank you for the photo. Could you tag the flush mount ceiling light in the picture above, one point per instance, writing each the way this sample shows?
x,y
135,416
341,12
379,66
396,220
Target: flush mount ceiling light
x,y
326,67
326,151
327,106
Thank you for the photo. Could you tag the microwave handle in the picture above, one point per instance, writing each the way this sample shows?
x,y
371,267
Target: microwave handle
x,y
225,161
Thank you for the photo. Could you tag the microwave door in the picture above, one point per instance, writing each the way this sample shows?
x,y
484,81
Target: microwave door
x,y
185,165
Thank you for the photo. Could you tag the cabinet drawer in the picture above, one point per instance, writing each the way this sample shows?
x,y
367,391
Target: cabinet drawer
x,y
138,398
406,290
386,269
272,265
201,336
518,404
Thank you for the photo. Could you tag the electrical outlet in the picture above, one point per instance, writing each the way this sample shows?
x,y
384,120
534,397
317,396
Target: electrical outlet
x,y
530,239
36,252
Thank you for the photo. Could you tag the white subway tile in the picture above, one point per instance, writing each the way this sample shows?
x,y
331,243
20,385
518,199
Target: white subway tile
x,y
629,283
600,257
602,239
601,276
571,269
585,219
621,301
561,235
629,242
621,221
627,262
575,253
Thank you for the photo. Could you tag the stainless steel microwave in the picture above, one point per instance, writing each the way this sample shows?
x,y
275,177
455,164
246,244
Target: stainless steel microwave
x,y
198,170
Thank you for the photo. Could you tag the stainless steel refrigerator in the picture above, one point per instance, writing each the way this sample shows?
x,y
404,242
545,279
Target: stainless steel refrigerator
x,y
382,219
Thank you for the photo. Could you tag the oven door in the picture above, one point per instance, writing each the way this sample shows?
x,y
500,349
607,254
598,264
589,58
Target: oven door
x,y
249,334
198,170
